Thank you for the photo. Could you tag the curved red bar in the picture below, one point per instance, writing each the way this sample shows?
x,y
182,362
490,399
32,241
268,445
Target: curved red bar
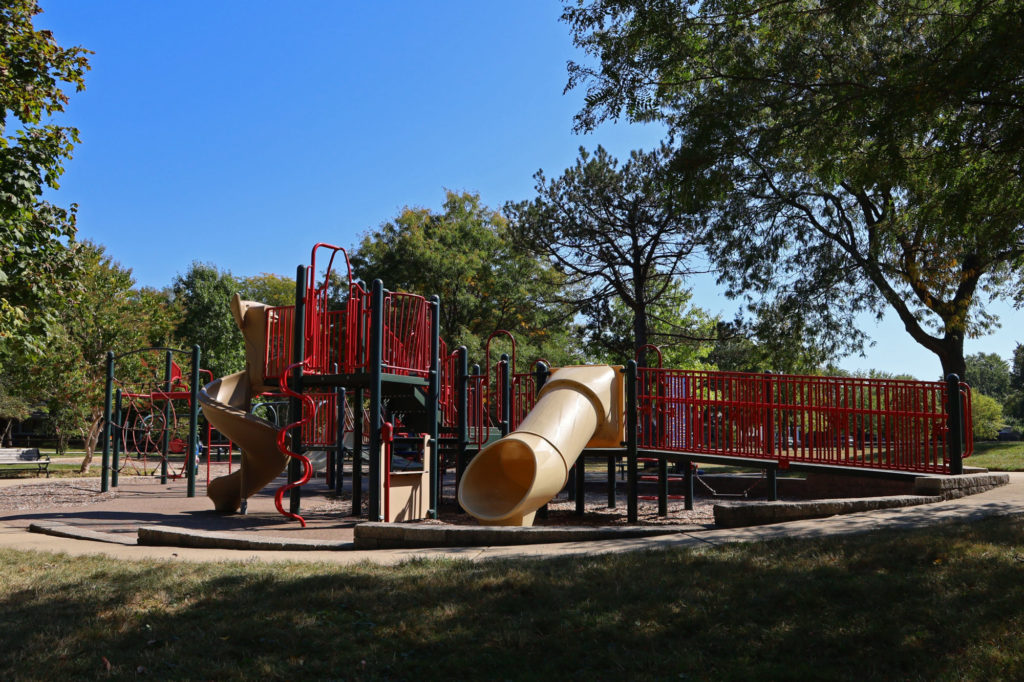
x,y
307,469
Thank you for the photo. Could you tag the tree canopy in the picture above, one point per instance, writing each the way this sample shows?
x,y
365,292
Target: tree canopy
x,y
204,295
849,157
613,231
464,254
36,262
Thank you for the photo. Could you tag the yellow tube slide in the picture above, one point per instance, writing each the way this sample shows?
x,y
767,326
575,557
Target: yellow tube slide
x,y
225,403
508,481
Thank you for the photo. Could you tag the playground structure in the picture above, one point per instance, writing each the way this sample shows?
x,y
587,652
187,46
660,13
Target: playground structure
x,y
334,354
150,417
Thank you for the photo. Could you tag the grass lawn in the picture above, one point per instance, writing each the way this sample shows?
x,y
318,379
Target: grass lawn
x,y
998,455
934,604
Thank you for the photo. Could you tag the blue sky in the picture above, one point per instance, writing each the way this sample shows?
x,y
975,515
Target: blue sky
x,y
241,133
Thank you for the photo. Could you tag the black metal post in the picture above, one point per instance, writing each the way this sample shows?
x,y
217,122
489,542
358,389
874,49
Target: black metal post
x,y
357,453
631,444
662,486
540,376
295,404
341,398
376,421
581,484
688,483
165,444
506,394
191,459
433,399
611,481
117,439
955,422
107,395
773,482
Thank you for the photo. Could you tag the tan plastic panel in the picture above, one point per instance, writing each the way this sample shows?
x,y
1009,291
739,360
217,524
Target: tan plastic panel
x,y
222,401
508,481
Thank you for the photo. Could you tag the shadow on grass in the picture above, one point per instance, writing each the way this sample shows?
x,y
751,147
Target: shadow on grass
x,y
938,603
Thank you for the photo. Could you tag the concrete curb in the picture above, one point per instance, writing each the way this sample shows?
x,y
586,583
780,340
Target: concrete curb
x,y
407,536
169,536
732,515
929,489
63,530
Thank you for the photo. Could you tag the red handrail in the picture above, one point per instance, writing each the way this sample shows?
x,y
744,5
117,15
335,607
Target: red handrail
x,y
282,435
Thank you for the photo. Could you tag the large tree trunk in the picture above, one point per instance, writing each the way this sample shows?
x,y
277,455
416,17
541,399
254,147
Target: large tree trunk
x,y
951,355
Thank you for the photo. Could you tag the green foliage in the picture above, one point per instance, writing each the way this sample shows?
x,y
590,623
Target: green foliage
x,y
986,416
683,332
37,265
616,235
464,255
989,374
108,314
268,288
204,296
848,157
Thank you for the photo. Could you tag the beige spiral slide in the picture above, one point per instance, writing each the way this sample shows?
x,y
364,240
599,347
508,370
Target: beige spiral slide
x,y
509,480
226,403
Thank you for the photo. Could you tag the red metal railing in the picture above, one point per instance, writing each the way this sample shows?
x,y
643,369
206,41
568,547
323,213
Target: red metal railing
x,y
279,339
406,348
868,423
524,397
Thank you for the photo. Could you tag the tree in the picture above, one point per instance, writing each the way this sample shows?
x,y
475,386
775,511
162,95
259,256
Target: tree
x,y
268,288
986,416
204,295
37,266
466,256
848,157
107,315
1015,403
989,374
613,231
683,332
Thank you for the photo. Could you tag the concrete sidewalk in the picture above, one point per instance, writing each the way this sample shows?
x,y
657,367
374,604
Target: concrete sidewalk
x,y
1006,500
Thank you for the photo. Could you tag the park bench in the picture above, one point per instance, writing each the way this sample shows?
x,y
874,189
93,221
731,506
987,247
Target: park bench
x,y
23,459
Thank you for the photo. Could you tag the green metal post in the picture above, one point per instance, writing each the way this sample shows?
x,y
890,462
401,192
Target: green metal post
x,y
295,404
107,395
117,439
357,453
432,407
631,445
165,445
462,412
193,422
341,398
376,420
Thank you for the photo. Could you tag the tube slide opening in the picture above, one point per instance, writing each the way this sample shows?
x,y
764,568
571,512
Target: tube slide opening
x,y
498,479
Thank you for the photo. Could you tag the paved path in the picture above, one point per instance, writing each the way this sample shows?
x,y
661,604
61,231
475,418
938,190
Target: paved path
x,y
1003,501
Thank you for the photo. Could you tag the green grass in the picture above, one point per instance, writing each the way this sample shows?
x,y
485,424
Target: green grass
x,y
998,455
935,604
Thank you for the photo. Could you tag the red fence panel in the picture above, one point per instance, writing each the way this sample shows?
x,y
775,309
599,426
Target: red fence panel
x,y
868,423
